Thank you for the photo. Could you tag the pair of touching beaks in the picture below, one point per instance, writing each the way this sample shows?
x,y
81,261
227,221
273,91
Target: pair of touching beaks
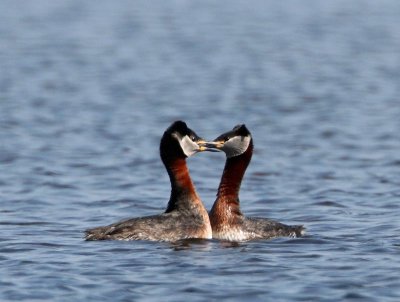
x,y
233,142
210,146
213,146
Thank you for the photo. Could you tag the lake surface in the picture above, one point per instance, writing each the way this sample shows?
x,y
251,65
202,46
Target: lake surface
x,y
87,89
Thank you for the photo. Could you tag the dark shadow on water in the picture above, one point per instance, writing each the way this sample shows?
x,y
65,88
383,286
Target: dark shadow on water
x,y
204,244
188,244
231,244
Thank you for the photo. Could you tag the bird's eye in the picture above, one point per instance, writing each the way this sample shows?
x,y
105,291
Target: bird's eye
x,y
226,138
193,138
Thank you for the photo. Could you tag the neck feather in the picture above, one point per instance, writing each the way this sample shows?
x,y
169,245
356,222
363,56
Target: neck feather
x,y
231,179
226,209
182,189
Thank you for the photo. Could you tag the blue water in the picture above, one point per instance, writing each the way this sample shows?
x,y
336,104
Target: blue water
x,y
87,89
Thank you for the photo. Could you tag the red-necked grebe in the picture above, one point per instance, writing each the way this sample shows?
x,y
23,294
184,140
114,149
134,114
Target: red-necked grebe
x,y
227,221
185,216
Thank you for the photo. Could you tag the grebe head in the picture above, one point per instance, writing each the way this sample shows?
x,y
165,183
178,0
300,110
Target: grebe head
x,y
181,141
234,142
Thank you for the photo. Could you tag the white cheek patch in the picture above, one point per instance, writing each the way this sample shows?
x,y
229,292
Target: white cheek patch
x,y
236,145
188,146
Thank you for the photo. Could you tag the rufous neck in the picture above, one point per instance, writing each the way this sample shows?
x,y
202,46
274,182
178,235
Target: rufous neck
x,y
179,176
182,188
231,179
